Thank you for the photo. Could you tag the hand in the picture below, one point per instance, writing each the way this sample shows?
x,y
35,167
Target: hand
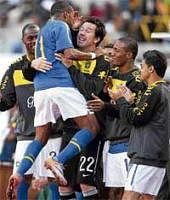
x,y
122,91
39,183
96,104
107,84
41,64
66,61
116,94
128,95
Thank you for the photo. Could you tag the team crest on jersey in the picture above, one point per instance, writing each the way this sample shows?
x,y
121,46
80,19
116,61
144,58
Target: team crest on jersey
x,y
86,67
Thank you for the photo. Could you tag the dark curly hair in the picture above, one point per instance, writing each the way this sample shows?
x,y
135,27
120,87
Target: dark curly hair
x,y
156,59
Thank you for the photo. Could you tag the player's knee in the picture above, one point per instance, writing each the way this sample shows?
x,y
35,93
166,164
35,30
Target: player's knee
x,y
88,122
93,125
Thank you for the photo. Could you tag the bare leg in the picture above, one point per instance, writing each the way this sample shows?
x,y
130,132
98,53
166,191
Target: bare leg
x,y
116,193
32,151
129,195
89,122
42,133
89,128
148,197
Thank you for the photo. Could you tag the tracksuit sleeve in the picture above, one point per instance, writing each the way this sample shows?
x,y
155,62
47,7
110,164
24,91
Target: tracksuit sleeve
x,y
7,89
142,112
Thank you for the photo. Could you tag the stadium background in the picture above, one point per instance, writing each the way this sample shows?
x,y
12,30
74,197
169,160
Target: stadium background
x,y
137,18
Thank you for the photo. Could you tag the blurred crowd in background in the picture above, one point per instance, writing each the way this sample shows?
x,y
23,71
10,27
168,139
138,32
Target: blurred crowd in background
x,y
137,18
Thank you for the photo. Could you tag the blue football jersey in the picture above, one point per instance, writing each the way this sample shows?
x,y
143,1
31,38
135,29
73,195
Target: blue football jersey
x,y
55,36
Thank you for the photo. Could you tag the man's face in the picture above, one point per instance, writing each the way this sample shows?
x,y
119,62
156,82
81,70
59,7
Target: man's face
x,y
119,54
70,17
86,35
29,39
145,71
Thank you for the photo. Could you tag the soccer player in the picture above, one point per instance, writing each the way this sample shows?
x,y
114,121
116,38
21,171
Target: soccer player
x,y
150,118
15,90
89,77
117,132
56,95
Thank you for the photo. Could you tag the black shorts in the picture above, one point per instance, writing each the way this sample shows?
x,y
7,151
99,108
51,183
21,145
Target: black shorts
x,y
86,167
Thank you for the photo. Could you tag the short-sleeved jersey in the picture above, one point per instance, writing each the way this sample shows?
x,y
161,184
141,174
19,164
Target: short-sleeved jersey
x,y
55,36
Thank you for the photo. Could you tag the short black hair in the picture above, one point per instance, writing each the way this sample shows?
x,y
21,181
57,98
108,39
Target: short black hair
x,y
59,7
100,31
110,45
131,45
156,59
28,26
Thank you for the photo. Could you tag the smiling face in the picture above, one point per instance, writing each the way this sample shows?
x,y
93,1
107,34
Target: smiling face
x,y
119,54
29,39
86,36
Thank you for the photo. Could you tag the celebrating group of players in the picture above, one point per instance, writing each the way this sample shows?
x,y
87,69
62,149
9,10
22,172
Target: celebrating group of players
x,y
87,97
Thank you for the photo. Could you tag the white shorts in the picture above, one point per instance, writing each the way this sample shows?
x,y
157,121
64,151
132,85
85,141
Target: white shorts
x,y
144,179
53,102
38,170
116,169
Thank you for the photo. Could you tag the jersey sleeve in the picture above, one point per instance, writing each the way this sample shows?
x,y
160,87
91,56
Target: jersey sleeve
x,y
7,89
143,111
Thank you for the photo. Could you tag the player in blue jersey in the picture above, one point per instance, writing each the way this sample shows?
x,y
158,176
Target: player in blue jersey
x,y
55,95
